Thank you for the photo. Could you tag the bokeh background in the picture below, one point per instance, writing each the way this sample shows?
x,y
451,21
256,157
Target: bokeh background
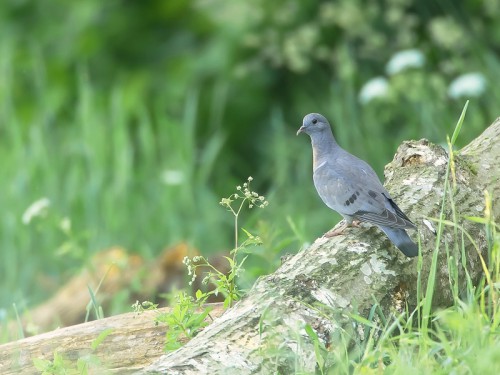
x,y
127,121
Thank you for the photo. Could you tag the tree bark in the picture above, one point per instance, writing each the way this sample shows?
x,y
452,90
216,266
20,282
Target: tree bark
x,y
325,283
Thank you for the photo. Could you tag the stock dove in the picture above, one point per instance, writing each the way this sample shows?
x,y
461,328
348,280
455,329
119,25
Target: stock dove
x,y
350,186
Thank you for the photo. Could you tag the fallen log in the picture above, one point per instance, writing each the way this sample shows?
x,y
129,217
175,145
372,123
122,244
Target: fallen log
x,y
131,341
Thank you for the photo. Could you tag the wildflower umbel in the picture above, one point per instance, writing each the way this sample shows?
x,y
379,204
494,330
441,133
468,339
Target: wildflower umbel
x,y
252,197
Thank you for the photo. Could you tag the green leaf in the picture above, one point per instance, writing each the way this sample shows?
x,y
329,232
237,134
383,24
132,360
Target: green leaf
x,y
479,220
200,295
249,235
102,336
456,132
42,364
230,261
197,321
362,320
82,366
319,348
172,344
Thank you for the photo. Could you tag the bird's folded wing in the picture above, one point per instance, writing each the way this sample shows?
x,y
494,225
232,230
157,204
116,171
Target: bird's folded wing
x,y
360,197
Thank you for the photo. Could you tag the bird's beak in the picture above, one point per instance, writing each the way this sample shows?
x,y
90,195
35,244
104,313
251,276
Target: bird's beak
x,y
301,130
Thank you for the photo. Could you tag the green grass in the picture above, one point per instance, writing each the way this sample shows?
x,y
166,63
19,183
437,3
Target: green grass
x,y
463,338
103,167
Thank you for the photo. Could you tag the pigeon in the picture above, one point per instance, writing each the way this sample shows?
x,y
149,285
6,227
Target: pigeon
x,y
351,187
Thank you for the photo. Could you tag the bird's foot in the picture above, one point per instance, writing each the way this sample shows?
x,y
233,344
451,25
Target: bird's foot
x,y
337,231
356,224
340,229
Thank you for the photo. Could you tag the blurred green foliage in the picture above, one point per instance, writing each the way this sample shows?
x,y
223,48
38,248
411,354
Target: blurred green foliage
x,y
134,117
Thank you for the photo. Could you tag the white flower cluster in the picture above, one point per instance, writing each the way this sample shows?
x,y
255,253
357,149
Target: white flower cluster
x,y
191,267
471,84
253,198
377,87
38,208
467,85
404,60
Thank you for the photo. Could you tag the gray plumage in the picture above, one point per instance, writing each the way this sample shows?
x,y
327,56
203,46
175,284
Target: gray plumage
x,y
351,187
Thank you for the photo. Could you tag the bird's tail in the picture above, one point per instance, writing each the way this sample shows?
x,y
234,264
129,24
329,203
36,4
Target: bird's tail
x,y
401,240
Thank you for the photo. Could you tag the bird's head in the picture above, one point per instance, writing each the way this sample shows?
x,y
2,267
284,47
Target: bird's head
x,y
313,123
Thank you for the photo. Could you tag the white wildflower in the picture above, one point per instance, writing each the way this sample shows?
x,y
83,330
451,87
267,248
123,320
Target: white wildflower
x,y
403,60
375,88
172,177
470,84
65,225
37,208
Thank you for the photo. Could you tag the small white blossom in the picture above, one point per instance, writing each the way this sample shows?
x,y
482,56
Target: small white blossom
x,y
377,87
172,177
37,208
403,60
65,225
469,85
193,278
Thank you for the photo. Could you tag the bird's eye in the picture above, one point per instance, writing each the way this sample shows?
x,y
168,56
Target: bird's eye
x,y
314,121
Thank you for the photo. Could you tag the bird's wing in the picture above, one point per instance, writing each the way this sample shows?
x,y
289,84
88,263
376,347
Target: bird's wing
x,y
354,190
